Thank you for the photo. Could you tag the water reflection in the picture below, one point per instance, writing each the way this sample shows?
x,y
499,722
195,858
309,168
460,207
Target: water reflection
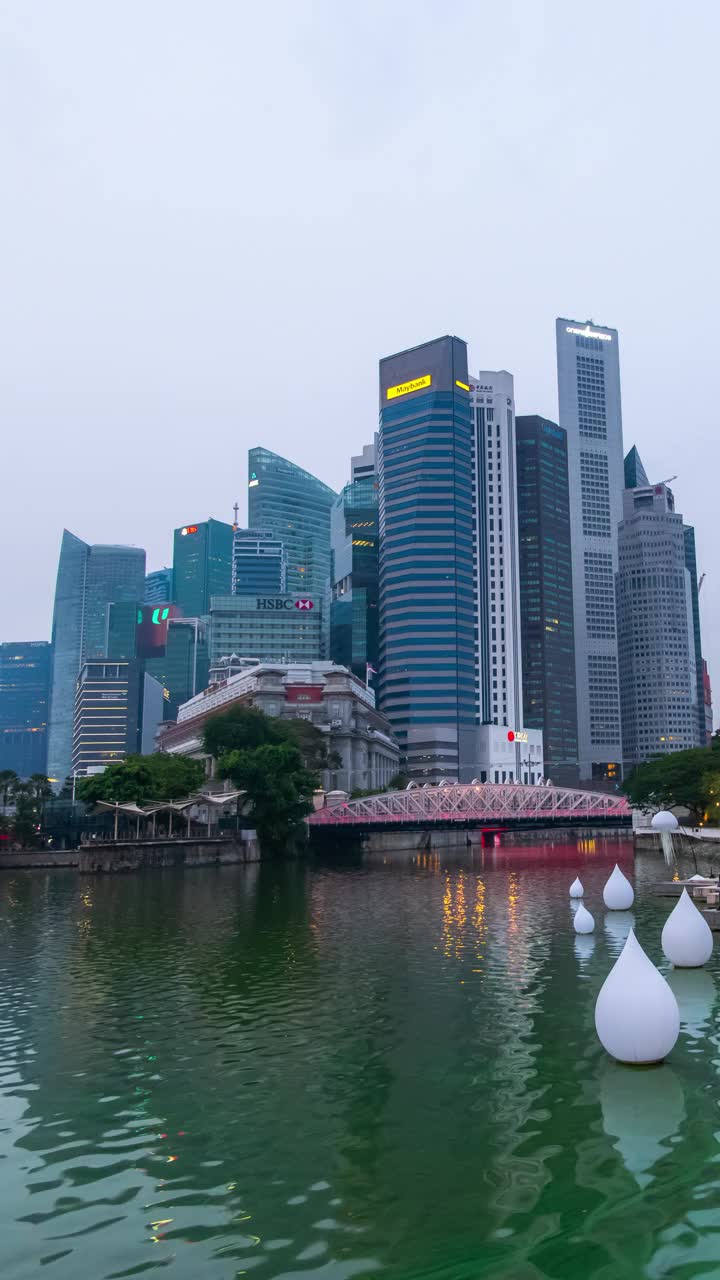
x,y
694,990
281,1070
617,927
584,947
641,1109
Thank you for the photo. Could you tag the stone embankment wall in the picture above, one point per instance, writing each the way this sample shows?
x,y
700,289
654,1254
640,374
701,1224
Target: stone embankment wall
x,y
132,855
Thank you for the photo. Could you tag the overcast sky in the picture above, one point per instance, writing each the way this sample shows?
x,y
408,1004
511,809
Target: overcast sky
x,y
217,217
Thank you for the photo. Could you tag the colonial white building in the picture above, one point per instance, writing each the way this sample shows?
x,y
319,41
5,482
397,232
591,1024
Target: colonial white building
x,y
329,696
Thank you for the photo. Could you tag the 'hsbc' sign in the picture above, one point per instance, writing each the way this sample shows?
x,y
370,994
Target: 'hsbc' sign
x,y
283,602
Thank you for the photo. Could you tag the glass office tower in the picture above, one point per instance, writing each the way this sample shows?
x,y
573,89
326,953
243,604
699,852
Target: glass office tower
x,y
259,563
158,587
202,565
546,596
295,508
89,579
354,606
691,566
24,692
427,605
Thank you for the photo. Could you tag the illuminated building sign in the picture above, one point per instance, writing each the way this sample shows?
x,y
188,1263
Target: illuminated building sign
x,y
152,629
517,735
464,385
404,388
304,693
587,332
189,528
283,602
253,481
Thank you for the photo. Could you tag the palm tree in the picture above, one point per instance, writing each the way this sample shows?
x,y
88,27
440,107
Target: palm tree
x,y
40,788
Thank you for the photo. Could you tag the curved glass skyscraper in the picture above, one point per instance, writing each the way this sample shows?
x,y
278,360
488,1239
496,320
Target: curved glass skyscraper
x,y
89,579
295,507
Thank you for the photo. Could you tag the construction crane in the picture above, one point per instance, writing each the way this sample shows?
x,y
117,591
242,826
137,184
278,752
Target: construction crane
x,y
669,481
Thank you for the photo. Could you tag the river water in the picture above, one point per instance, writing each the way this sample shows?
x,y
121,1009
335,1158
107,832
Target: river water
x,y
329,1071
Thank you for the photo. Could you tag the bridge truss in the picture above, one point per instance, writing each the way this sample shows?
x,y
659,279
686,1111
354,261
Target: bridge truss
x,y
481,803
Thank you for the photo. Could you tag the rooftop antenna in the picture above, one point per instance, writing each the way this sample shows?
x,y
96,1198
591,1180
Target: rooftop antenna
x,y
235,513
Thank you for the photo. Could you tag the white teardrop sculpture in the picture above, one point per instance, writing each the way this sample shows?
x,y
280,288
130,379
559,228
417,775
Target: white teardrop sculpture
x,y
636,1014
618,893
687,938
583,921
576,889
641,1110
703,878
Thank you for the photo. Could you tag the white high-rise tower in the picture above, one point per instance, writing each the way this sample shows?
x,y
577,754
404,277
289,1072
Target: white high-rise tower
x,y
590,412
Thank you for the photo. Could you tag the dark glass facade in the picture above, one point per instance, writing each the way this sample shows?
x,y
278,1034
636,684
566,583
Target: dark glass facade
x,y
173,650
202,565
295,507
427,605
89,579
546,593
258,563
354,607
158,586
691,566
24,695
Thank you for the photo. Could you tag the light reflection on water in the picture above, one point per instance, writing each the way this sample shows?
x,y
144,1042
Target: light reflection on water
x,y
333,1071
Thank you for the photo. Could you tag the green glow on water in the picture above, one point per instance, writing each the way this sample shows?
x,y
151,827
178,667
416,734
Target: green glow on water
x,y
347,1071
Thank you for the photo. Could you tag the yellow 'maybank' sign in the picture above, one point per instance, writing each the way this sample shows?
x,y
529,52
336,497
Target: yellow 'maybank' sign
x,y
404,388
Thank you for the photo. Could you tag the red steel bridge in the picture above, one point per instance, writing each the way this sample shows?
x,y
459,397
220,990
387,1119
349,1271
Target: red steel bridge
x,y
476,805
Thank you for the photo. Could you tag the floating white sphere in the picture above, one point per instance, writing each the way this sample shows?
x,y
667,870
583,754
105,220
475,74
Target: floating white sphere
x,y
618,893
687,939
576,889
636,1014
664,821
641,1110
583,921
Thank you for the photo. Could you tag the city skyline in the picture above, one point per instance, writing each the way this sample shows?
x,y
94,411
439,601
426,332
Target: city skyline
x,y
175,304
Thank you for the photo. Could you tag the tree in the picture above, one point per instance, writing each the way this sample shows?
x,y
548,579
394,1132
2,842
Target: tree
x,y
244,728
40,788
278,786
143,778
680,780
8,783
27,814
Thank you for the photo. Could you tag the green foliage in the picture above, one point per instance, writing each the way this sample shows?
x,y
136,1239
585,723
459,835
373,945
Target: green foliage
x,y
681,779
8,783
143,778
244,728
279,788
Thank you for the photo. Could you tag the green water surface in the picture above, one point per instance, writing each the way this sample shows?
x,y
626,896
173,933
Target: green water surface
x,y
383,1069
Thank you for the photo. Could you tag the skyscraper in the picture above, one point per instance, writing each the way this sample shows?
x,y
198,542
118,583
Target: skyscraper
x,y
117,710
691,566
24,694
499,663
590,413
259,563
658,676
89,579
427,583
546,598
355,568
202,565
295,508
158,587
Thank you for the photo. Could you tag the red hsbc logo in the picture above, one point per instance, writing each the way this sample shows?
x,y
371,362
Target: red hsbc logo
x,y
304,604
